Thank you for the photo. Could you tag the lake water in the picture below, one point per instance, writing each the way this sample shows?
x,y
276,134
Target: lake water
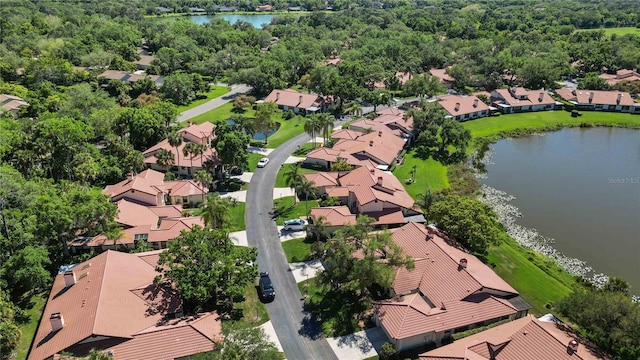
x,y
580,187
257,20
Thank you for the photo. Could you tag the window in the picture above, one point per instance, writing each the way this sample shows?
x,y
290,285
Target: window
x,y
143,237
185,199
625,108
612,107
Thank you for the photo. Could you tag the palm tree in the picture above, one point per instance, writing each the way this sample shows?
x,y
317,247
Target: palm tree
x,y
216,211
318,226
306,187
243,124
311,127
165,158
326,124
175,140
114,234
354,109
425,201
193,150
205,179
293,178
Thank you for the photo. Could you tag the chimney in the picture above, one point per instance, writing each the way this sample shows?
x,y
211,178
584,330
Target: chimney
x,y
475,103
541,97
380,133
189,123
130,176
372,170
591,97
299,99
619,99
379,181
432,229
463,263
573,345
69,279
277,96
370,142
457,107
57,321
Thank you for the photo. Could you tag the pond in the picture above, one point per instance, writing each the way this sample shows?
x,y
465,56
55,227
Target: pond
x,y
580,187
259,136
257,20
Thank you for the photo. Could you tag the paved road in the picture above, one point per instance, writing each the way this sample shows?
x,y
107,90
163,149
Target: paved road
x,y
213,103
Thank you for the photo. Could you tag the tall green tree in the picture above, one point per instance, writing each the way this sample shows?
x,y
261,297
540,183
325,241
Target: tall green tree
x,y
232,149
9,331
27,271
263,122
312,126
241,344
165,158
175,139
216,211
293,178
205,179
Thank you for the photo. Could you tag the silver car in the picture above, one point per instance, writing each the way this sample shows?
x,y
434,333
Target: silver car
x,y
294,224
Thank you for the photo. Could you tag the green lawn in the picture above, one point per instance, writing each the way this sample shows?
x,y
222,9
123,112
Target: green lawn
x,y
288,130
284,208
223,112
213,93
28,329
621,31
280,180
253,161
512,124
237,217
429,174
538,287
253,311
297,250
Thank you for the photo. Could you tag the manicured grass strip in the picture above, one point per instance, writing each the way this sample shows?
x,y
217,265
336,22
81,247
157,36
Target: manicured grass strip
x,y
297,250
620,31
222,112
237,217
254,313
253,161
496,127
284,208
213,93
288,130
514,264
28,328
429,174
337,313
280,179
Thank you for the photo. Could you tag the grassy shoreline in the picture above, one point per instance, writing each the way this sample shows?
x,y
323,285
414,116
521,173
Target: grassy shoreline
x,y
275,12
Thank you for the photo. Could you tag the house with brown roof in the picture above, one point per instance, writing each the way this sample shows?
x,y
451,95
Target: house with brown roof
x,y
299,103
129,77
526,337
448,291
198,133
519,99
335,217
145,59
600,100
622,75
369,191
380,148
393,119
333,61
266,7
12,104
463,108
110,303
445,79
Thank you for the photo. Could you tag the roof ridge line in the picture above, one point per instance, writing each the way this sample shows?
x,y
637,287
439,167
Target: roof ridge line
x,y
535,321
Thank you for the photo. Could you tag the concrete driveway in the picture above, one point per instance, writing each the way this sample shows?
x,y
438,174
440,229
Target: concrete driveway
x,y
361,345
306,270
271,334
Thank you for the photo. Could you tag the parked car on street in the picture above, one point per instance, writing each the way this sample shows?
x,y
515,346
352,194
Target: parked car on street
x,y
263,162
294,224
267,292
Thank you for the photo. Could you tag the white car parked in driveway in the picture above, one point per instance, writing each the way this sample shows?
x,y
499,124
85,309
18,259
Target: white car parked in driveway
x,y
294,225
263,162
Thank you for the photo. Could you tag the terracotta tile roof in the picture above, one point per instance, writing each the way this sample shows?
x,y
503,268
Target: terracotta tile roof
x,y
337,191
412,315
368,125
371,184
522,339
403,77
620,76
202,131
462,105
387,217
146,182
522,97
294,99
346,134
334,61
334,215
113,297
596,97
184,188
323,179
185,161
441,74
134,214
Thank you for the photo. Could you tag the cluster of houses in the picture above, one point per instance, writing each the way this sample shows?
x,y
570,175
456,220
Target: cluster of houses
x,y
11,104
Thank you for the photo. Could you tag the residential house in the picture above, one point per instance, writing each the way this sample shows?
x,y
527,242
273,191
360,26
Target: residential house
x,y
623,75
527,336
197,10
110,303
369,191
463,108
296,8
130,78
149,188
448,291
266,7
400,76
519,99
186,164
12,104
600,100
394,119
145,60
445,79
299,103
226,9
163,10
334,61
335,217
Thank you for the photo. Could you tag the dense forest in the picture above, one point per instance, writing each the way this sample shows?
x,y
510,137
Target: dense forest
x,y
81,132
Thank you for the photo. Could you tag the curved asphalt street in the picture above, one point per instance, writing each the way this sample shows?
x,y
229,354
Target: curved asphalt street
x,y
300,336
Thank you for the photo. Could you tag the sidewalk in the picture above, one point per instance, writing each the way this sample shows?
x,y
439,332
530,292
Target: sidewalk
x,y
213,103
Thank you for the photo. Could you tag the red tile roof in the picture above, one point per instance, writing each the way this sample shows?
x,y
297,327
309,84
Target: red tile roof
x,y
381,146
185,161
145,182
620,76
522,339
523,97
323,179
346,134
363,182
441,74
202,131
596,97
114,296
294,99
462,105
334,215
